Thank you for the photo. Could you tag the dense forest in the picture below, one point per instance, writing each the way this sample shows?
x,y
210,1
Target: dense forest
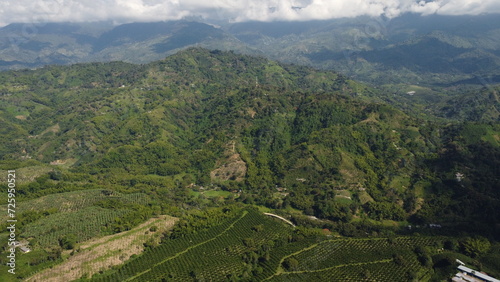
x,y
209,129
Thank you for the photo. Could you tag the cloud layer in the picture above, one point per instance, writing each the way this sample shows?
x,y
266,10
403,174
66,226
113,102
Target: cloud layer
x,y
30,11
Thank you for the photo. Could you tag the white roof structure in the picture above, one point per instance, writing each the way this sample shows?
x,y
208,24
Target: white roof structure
x,y
25,249
477,274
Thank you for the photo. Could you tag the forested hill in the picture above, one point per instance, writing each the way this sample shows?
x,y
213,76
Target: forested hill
x,y
82,111
286,136
435,50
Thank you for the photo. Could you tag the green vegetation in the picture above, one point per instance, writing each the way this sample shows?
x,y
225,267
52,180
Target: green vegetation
x,y
435,50
377,259
236,250
204,135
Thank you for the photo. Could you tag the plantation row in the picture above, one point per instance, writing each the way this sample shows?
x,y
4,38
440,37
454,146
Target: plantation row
x,y
213,255
330,253
60,202
384,270
84,224
366,272
354,259
76,200
281,252
250,245
204,255
162,252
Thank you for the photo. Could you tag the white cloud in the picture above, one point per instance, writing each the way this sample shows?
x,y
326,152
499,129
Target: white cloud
x,y
235,10
471,7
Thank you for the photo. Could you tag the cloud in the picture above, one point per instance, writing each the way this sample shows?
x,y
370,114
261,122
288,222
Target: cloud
x,y
234,10
470,7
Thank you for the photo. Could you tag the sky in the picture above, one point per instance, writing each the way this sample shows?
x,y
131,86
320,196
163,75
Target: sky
x,y
121,11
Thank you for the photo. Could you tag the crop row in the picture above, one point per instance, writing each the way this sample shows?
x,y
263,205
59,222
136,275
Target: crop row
x,y
84,224
76,200
206,257
169,250
377,271
342,251
213,255
220,252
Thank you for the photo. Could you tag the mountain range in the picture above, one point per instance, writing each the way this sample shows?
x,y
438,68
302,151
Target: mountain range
x,y
438,51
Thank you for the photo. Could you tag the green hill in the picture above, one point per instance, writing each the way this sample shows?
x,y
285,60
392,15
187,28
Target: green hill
x,y
227,118
209,128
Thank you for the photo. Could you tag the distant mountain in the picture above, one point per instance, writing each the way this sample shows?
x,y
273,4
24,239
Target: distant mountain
x,y
412,49
31,46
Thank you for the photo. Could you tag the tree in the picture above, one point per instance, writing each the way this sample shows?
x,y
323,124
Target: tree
x,y
333,211
399,259
258,228
68,242
450,245
290,264
384,210
476,246
54,254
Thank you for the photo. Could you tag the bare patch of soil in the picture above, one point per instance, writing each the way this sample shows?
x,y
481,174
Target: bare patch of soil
x,y
103,253
232,167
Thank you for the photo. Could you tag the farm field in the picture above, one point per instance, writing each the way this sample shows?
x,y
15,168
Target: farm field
x,y
56,225
101,254
80,213
252,246
377,259
221,252
74,201
50,229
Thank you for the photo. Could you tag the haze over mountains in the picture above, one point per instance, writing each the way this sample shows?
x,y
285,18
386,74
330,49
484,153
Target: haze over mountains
x,y
412,49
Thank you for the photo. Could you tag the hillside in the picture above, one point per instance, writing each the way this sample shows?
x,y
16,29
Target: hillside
x,y
207,128
256,248
222,117
438,58
437,51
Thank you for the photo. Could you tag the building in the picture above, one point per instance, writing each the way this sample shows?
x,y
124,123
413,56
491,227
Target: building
x,y
471,275
25,249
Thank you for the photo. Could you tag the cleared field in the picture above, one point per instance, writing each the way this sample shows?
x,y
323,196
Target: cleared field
x,y
27,174
103,253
